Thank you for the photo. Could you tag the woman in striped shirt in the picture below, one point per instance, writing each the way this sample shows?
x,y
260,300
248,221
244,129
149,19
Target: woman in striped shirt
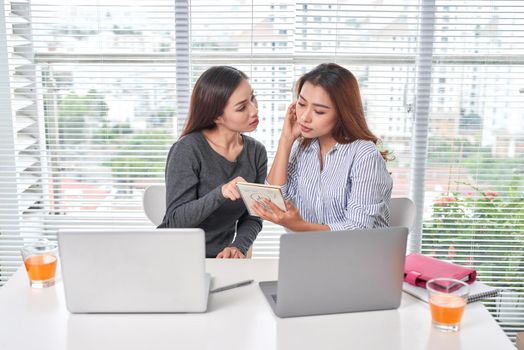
x,y
327,162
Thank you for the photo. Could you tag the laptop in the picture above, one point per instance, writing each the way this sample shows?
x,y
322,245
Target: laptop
x,y
134,271
337,272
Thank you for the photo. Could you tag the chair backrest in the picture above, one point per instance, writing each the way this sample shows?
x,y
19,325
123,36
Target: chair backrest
x,y
402,212
154,203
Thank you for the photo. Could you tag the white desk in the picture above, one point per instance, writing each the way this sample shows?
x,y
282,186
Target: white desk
x,y
237,319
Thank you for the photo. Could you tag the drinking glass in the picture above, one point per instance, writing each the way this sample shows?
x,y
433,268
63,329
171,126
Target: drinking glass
x,y
447,299
40,258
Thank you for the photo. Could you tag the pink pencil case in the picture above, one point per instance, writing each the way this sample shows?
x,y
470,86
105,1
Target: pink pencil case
x,y
419,269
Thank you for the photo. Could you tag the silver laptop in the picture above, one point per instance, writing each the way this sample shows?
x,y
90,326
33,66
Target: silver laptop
x,y
145,270
336,272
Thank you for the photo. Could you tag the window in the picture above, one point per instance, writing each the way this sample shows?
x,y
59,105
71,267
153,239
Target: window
x,y
475,216
100,91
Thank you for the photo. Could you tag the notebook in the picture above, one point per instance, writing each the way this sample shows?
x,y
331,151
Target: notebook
x,y
478,291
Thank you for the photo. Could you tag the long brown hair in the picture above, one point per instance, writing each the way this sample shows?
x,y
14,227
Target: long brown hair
x,y
342,87
210,95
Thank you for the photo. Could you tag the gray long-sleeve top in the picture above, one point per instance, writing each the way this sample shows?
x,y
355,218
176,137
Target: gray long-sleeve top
x,y
195,174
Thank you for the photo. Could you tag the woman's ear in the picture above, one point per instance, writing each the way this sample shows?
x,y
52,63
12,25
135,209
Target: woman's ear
x,y
219,120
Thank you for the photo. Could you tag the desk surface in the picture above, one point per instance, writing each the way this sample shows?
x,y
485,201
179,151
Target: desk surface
x,y
236,319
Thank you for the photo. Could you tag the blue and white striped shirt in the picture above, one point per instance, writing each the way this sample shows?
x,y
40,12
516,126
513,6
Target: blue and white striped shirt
x,y
352,191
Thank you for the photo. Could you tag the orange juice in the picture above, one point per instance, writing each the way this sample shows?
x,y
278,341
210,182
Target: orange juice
x,y
40,267
447,309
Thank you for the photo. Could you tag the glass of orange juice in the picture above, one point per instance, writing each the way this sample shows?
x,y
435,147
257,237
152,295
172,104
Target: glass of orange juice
x,y
447,299
40,258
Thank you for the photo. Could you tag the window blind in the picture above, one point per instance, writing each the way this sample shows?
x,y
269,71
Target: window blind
x,y
97,93
275,43
474,213
93,114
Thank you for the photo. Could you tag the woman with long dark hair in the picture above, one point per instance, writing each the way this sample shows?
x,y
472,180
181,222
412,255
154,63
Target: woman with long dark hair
x,y
327,160
210,157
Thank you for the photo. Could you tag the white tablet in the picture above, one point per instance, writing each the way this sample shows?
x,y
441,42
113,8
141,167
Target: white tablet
x,y
253,192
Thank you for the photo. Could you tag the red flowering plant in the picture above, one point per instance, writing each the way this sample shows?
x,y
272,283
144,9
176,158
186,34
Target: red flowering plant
x,y
481,229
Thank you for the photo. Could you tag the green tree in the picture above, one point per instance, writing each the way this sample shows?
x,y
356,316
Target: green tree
x,y
79,115
163,117
483,229
108,134
141,155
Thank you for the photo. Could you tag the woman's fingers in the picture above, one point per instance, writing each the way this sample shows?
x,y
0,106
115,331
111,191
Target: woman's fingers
x,y
289,204
260,211
227,253
231,253
267,214
291,106
235,192
291,114
238,179
274,208
230,190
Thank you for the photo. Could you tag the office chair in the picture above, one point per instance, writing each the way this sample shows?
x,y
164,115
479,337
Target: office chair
x,y
402,212
154,204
